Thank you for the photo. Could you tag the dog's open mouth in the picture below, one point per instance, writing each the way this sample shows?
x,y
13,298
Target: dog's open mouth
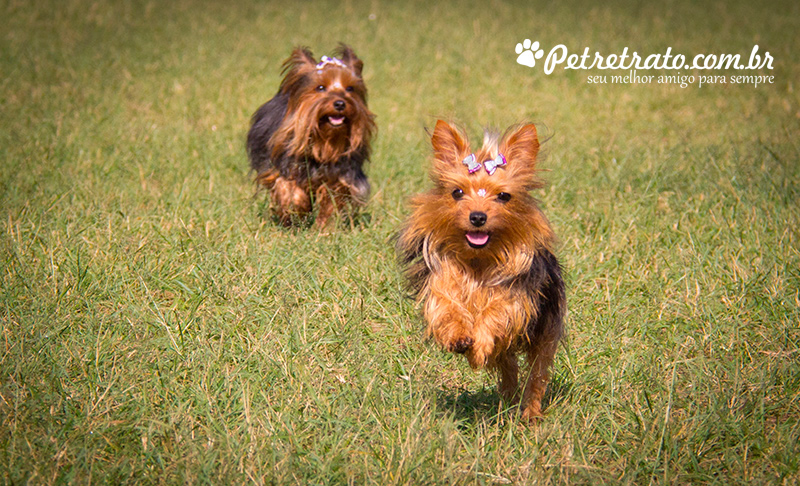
x,y
336,120
477,239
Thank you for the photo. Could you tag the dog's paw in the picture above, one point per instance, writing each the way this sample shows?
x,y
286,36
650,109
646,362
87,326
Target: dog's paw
x,y
477,358
481,351
460,345
532,413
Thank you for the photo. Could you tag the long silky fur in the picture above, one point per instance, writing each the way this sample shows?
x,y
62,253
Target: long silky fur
x,y
287,142
507,297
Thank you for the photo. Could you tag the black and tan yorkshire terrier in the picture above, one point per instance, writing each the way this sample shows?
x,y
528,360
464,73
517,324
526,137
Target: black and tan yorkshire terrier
x,y
478,253
308,144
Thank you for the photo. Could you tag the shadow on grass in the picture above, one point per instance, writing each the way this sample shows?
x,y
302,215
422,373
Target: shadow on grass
x,y
470,408
359,220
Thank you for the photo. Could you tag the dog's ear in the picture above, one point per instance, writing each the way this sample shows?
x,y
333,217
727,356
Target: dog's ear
x,y
450,146
300,57
348,56
296,68
520,147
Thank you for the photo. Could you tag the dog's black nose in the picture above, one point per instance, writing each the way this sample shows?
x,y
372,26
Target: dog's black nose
x,y
339,105
477,218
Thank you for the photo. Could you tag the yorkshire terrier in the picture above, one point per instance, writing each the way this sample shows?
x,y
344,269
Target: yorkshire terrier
x,y
308,144
478,254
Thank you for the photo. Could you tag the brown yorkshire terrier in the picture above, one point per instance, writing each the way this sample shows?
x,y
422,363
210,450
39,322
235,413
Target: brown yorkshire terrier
x,y
479,256
308,144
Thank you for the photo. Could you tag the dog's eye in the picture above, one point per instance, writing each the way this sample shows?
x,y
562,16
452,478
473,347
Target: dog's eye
x,y
321,87
504,197
458,194
349,89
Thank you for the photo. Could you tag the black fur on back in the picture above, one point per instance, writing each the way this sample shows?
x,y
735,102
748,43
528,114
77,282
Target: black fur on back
x,y
545,285
267,120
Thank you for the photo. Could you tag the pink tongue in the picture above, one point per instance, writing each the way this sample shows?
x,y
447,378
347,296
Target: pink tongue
x,y
477,238
336,120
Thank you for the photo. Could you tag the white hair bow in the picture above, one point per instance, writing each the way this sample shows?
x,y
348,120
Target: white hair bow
x,y
325,60
490,165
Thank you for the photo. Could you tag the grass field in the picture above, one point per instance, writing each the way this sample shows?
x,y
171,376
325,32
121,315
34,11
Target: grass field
x,y
157,329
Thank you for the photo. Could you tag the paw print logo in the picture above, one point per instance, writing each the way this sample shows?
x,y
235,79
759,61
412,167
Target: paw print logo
x,y
528,53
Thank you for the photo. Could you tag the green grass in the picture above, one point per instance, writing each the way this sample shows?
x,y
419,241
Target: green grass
x,y
155,328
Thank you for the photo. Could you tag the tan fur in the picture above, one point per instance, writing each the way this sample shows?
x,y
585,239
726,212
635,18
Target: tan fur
x,y
300,134
302,157
474,300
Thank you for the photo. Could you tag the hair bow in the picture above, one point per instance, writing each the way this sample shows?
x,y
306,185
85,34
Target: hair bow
x,y
490,165
325,60
471,162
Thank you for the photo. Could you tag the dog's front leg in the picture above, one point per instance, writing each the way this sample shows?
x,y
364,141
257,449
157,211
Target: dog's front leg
x,y
449,321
